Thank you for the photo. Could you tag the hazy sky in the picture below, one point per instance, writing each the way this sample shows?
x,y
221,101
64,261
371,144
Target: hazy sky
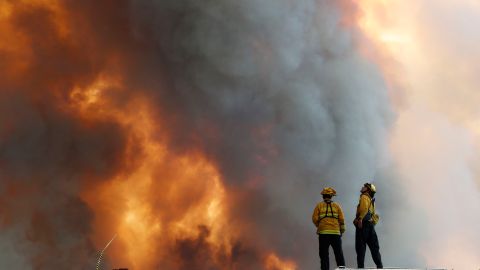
x,y
430,55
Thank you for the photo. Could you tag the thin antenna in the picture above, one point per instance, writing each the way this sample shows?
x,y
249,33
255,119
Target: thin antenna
x,y
103,250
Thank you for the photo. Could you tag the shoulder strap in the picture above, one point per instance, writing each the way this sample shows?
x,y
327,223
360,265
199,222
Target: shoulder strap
x,y
372,202
332,215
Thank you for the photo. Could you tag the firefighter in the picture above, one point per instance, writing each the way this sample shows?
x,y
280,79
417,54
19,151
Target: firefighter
x,y
365,222
329,220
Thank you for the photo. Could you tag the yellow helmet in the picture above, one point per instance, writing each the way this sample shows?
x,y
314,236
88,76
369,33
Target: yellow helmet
x,y
371,187
329,191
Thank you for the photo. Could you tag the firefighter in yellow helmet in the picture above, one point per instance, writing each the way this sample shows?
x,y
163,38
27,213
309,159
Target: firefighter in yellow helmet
x,y
330,222
365,222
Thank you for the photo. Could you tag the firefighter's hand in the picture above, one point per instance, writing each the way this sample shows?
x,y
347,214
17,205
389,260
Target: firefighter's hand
x,y
359,224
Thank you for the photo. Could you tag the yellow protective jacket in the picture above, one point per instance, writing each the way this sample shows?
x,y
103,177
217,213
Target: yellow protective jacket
x,y
328,218
366,206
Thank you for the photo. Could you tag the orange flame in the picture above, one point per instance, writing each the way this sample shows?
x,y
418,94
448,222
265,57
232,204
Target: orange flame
x,y
161,202
273,262
158,177
163,198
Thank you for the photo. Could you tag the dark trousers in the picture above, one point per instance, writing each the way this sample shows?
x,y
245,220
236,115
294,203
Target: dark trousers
x,y
324,242
367,236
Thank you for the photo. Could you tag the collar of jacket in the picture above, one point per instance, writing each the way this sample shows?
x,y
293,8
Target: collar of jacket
x,y
366,194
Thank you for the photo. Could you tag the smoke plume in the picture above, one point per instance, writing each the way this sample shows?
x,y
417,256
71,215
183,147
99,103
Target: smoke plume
x,y
433,59
210,125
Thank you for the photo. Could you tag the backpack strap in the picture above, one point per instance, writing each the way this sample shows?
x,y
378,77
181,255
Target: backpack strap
x,y
332,215
370,214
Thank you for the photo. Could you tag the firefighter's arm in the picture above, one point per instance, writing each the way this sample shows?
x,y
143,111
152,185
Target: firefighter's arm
x,y
341,220
315,216
363,207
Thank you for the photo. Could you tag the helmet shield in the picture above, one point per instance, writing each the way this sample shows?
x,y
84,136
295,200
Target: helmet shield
x,y
370,187
329,191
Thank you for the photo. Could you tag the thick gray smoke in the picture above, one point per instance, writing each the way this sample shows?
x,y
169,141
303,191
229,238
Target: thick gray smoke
x,y
274,91
290,98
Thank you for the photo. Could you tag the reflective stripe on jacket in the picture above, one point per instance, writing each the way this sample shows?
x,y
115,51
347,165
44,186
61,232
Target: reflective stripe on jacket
x,y
328,218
